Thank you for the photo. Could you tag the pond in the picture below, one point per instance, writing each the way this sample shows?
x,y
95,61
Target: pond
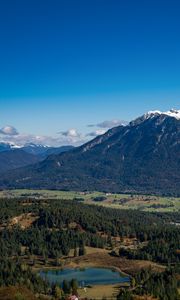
x,y
85,276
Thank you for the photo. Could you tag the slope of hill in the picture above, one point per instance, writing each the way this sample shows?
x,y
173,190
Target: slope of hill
x,y
143,156
13,159
35,149
58,150
13,156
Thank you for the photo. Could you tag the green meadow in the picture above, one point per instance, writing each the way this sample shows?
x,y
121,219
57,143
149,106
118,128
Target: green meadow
x,y
120,201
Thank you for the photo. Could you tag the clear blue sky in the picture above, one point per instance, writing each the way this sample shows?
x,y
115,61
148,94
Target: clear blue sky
x,y
68,63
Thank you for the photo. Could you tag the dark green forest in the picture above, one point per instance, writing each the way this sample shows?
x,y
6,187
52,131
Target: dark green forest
x,y
52,236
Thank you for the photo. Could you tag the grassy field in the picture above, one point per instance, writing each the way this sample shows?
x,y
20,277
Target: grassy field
x,y
99,292
121,201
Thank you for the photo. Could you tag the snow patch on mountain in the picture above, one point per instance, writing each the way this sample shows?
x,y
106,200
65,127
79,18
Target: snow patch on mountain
x,y
171,113
9,145
32,145
154,113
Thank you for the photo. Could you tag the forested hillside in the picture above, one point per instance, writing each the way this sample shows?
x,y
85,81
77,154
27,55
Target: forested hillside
x,y
143,156
59,227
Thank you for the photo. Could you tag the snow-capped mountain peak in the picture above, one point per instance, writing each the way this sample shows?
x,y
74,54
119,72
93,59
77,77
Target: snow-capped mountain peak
x,y
9,145
28,147
35,145
154,113
171,113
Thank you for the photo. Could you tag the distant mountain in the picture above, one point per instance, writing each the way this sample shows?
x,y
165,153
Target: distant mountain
x,y
7,146
58,150
13,156
44,151
143,156
16,158
29,148
35,149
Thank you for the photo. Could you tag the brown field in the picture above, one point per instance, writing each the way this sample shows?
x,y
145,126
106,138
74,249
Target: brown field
x,y
96,257
24,220
16,292
101,258
98,292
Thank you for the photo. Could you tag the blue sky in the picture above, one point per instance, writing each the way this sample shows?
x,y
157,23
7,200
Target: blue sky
x,y
66,64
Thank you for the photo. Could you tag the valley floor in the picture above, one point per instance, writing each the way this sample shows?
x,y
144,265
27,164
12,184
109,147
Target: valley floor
x,y
151,203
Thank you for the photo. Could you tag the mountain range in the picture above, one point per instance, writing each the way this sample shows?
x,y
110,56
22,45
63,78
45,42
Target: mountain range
x,y
13,156
143,157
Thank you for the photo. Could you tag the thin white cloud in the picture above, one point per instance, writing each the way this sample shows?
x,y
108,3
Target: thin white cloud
x,y
72,136
9,130
9,134
96,133
109,124
22,139
71,133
